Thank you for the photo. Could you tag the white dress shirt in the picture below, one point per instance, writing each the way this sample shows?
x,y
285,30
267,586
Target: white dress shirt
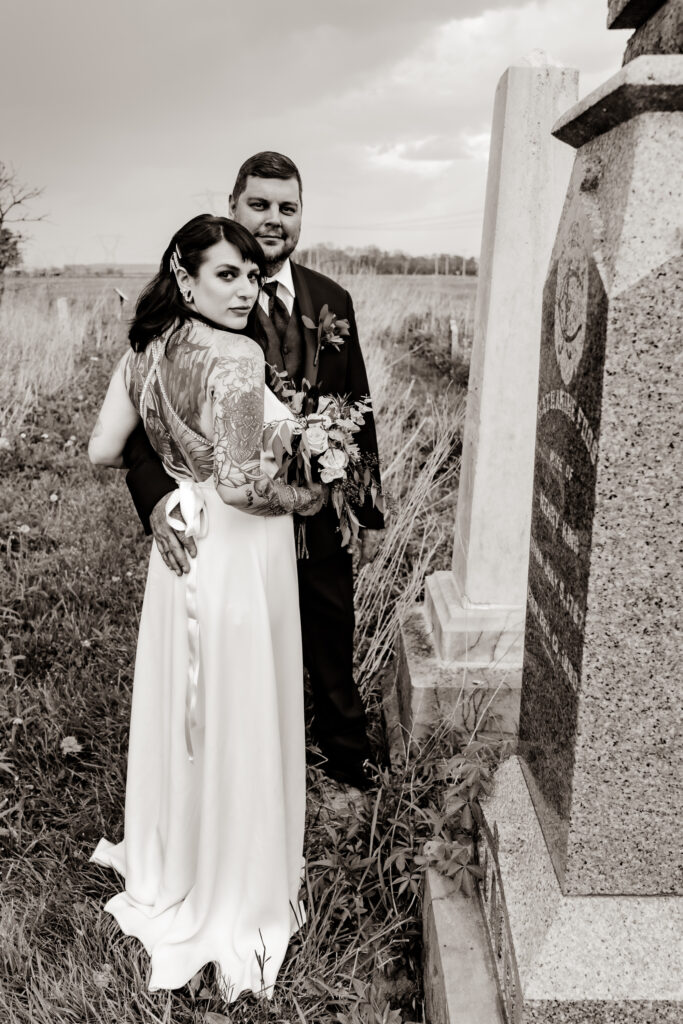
x,y
285,288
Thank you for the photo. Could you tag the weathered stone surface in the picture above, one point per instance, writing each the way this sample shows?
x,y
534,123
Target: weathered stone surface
x,y
579,843
527,178
460,983
630,13
579,959
645,85
663,33
476,614
433,693
475,636
600,706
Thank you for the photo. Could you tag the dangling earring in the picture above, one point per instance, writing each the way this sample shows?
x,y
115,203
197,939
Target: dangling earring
x,y
188,297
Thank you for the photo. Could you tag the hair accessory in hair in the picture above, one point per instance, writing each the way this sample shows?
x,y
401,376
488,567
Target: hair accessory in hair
x,y
175,260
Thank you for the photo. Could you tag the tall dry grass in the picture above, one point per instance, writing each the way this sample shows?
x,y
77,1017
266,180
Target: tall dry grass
x,y
419,441
39,351
388,307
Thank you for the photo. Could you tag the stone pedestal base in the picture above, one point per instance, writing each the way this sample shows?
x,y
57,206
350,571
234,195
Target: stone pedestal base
x,y
579,959
459,667
479,636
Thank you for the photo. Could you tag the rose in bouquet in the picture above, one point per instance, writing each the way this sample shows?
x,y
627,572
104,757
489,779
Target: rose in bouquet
x,y
318,445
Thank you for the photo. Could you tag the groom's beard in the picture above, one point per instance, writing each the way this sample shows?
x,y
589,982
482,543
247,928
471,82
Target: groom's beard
x,y
272,266
273,263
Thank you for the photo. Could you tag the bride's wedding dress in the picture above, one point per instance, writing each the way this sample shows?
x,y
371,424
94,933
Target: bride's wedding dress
x,y
215,792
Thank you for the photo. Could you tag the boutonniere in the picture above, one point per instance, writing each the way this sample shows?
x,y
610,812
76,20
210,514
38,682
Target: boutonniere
x,y
330,330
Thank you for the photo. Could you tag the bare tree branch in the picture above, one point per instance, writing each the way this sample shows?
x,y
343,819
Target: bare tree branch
x,y
14,209
14,198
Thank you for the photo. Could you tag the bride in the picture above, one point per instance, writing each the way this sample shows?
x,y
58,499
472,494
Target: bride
x,y
215,792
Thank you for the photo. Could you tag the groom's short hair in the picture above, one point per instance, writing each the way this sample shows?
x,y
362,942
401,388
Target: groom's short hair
x,y
265,165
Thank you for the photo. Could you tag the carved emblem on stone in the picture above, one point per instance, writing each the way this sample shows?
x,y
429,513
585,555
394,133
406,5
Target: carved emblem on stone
x,y
571,305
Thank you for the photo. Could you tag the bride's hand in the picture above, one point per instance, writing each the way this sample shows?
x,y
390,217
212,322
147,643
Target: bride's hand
x,y
315,495
267,497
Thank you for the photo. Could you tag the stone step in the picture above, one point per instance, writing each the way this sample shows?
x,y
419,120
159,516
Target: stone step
x,y
465,696
459,979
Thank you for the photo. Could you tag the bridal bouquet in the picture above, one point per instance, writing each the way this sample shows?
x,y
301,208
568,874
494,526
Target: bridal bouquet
x,y
318,446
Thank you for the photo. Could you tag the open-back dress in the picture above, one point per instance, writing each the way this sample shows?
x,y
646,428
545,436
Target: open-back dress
x,y
215,791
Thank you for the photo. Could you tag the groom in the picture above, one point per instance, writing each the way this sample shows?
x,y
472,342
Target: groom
x,y
267,199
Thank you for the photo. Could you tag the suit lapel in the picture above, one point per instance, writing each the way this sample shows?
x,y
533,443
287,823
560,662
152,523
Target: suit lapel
x,y
255,328
306,308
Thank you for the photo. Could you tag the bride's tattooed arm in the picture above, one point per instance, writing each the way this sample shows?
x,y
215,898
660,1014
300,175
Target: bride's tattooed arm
x,y
236,391
266,497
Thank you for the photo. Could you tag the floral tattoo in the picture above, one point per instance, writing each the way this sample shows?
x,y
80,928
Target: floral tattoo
x,y
238,419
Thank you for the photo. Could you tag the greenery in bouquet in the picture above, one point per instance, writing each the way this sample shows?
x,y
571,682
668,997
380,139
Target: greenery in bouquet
x,y
318,445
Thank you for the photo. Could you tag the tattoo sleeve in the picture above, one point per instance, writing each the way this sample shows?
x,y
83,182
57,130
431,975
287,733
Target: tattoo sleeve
x,y
236,388
274,498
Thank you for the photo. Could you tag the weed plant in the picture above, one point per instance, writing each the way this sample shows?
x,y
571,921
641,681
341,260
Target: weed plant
x,y
73,562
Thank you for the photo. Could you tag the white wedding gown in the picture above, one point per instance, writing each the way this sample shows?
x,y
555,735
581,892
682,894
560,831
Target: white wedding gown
x,y
212,847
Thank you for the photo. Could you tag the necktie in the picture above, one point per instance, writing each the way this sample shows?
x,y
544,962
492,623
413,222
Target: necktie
x,y
277,311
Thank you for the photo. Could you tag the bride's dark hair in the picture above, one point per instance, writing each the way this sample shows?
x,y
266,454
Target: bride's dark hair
x,y
161,304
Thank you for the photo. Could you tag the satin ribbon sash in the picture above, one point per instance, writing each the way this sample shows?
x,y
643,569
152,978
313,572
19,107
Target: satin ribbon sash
x,y
189,500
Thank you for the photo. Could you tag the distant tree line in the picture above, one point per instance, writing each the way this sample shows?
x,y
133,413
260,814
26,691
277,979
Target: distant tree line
x,y
90,270
370,259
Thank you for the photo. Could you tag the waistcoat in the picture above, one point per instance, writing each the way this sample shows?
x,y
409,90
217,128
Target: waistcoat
x,y
289,354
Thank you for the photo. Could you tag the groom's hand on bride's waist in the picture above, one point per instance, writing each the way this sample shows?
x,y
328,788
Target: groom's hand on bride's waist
x,y
173,547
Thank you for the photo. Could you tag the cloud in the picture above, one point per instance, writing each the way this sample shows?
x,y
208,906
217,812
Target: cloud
x,y
417,136
443,149
127,114
431,156
404,157
450,77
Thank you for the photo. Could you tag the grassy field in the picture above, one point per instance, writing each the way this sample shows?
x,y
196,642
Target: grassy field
x,y
73,562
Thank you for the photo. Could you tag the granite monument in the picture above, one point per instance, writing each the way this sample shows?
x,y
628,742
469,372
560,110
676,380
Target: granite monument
x,y
581,846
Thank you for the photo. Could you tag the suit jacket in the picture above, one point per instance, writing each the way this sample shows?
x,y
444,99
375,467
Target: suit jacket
x,y
339,372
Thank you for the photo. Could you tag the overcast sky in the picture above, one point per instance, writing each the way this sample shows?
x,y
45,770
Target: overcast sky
x,y
135,114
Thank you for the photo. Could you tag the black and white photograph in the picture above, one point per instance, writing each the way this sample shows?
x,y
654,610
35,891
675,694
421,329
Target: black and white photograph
x,y
340,512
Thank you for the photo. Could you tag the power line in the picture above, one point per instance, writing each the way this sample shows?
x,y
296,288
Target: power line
x,y
435,218
110,244
393,227
420,222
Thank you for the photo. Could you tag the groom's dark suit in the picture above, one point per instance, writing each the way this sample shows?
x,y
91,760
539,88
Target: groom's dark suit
x,y
325,577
